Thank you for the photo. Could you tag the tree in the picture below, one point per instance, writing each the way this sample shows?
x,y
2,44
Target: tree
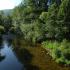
x,y
64,18
37,4
51,25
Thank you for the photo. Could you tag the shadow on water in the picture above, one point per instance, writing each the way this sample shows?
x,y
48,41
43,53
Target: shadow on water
x,y
31,58
35,58
1,42
2,57
9,42
25,58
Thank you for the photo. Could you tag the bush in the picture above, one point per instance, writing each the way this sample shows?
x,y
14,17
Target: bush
x,y
60,51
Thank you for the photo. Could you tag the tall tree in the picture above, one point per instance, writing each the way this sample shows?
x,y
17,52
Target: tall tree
x,y
64,17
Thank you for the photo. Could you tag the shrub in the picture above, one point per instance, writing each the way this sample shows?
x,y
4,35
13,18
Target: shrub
x,y
60,51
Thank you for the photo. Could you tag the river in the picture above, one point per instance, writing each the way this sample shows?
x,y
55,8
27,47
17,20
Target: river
x,y
15,54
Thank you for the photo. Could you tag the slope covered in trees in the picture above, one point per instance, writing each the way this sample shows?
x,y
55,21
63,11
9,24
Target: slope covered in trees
x,y
36,19
46,22
41,20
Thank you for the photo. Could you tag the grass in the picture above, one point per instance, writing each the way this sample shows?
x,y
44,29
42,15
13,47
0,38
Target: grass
x,y
60,51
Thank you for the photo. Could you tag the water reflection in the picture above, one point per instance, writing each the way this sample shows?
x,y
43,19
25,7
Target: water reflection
x,y
18,55
8,60
15,59
34,58
2,57
25,58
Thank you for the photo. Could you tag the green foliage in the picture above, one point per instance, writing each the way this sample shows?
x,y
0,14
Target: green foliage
x,y
34,20
37,22
36,4
57,20
27,17
60,51
7,22
51,24
1,29
32,31
43,17
64,9
63,18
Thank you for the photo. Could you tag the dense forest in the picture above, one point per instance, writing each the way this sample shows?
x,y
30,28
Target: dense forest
x,y
41,21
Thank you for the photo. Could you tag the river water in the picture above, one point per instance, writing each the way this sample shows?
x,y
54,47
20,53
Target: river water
x,y
8,60
17,55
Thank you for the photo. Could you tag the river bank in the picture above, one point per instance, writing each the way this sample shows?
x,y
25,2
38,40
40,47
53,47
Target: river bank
x,y
36,57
